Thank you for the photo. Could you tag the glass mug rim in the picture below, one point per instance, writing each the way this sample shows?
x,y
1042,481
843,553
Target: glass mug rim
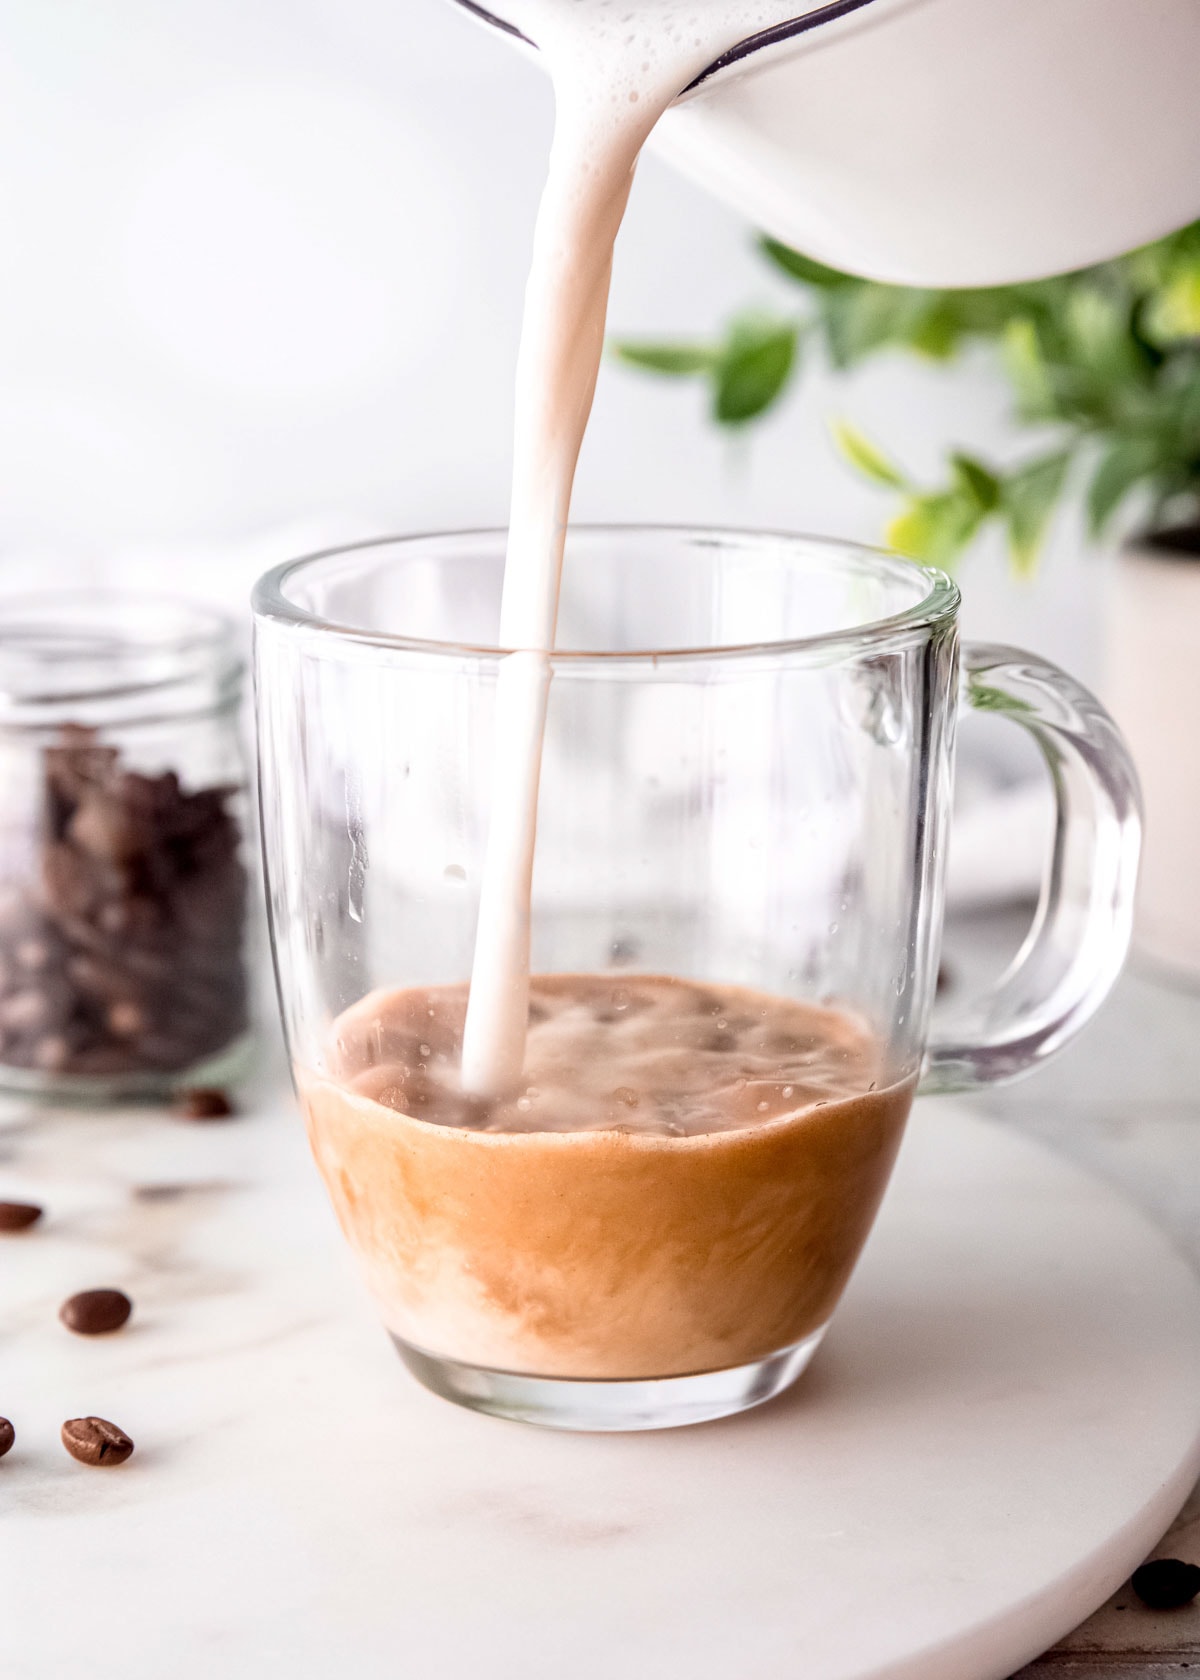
x,y
937,607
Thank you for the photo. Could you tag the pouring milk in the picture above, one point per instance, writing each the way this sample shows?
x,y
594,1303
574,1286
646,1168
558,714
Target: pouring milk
x,y
616,66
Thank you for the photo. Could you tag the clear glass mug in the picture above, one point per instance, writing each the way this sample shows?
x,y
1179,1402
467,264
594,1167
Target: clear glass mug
x,y
746,787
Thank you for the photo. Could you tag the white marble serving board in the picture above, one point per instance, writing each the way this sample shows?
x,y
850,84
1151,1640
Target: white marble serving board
x,y
1002,1421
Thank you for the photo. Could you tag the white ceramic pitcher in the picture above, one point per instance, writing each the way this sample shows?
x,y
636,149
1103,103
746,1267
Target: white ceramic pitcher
x,y
952,142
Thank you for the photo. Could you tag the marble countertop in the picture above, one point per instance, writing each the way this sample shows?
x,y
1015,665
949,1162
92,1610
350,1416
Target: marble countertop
x,y
1124,1101
133,1206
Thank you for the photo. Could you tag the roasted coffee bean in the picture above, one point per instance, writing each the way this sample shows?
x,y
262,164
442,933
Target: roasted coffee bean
x,y
166,790
137,792
94,1312
7,1436
18,1216
51,1052
33,955
77,932
124,953
12,910
126,1020
94,1440
26,1011
153,968
77,763
100,977
202,1102
114,918
1166,1583
106,829
139,919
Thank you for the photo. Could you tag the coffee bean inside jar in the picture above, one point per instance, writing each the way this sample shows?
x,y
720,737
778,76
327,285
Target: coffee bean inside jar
x,y
123,882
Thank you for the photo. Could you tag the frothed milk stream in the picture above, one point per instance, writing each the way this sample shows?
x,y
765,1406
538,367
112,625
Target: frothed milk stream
x,y
616,66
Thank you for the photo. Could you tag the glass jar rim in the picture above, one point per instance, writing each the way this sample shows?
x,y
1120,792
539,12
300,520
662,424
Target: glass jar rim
x,y
938,605
110,646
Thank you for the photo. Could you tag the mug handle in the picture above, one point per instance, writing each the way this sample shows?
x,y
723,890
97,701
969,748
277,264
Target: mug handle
x,y
1080,933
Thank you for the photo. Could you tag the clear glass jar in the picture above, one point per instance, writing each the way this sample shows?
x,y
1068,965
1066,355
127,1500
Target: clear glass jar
x,y
123,866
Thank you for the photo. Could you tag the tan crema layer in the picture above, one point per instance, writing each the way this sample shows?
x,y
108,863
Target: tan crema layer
x,y
719,1158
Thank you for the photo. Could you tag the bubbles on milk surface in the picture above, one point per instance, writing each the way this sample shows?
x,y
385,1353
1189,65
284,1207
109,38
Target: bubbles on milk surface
x,y
647,1055
649,45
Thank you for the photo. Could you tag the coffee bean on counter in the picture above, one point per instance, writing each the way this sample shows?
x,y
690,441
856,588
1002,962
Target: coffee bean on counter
x,y
94,1312
1166,1583
7,1436
94,1440
18,1216
202,1102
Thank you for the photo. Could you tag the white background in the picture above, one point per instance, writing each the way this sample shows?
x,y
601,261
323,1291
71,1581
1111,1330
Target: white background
x,y
260,276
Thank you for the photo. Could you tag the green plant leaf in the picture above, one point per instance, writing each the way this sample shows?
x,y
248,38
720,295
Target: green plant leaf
x,y
1182,396
987,699
936,528
1174,315
677,361
977,481
1125,464
863,455
939,330
866,318
1025,366
799,267
1098,337
1108,356
754,368
1028,498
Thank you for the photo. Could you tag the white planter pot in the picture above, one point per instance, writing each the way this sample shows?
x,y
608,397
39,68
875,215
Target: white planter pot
x,y
1154,693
